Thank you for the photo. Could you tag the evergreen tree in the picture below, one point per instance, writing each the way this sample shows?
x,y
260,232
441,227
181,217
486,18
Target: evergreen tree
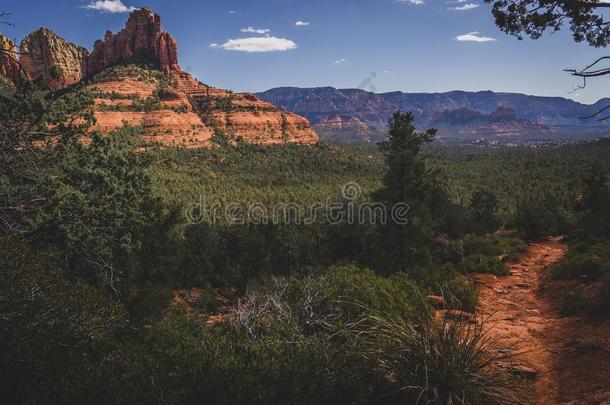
x,y
408,192
34,124
483,206
100,202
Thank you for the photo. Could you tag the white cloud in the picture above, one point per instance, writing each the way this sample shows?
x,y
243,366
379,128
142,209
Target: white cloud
x,y
473,37
253,30
416,2
302,23
340,61
257,45
109,6
232,12
464,7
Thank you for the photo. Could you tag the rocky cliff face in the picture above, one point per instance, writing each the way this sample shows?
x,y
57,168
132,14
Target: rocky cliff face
x,y
8,58
141,41
59,62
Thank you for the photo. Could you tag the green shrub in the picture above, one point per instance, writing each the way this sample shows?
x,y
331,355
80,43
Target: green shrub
x,y
587,260
573,301
58,337
460,294
479,263
487,254
144,73
290,340
538,215
507,246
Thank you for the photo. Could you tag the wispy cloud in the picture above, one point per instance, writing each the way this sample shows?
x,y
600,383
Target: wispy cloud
x,y
302,23
416,2
109,6
257,45
473,37
253,30
464,7
340,61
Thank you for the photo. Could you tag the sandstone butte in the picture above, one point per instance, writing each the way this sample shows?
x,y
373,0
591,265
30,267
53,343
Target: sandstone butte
x,y
160,100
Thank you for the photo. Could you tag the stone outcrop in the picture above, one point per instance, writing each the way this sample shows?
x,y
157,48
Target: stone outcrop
x,y
47,55
8,58
141,41
175,121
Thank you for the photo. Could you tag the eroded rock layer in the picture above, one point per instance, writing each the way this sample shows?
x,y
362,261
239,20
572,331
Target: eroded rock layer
x,y
177,110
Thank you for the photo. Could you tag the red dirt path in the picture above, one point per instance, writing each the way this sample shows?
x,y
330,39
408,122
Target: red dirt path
x,y
571,355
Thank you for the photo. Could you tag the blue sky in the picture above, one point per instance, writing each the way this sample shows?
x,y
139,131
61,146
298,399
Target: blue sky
x,y
409,45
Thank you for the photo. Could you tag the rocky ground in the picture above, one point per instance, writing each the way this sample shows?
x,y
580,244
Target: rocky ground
x,y
567,359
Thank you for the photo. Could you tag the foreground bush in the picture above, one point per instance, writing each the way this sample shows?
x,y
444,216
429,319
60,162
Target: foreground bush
x,y
439,362
57,337
487,253
318,339
586,260
588,266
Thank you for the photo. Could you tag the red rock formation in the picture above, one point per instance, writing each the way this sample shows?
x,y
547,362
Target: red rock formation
x,y
59,62
142,40
9,66
173,120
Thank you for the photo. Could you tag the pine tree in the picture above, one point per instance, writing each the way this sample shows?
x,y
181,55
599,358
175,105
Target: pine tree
x,y
408,192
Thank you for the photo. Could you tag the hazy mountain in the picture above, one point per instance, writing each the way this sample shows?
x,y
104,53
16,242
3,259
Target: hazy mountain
x,y
360,115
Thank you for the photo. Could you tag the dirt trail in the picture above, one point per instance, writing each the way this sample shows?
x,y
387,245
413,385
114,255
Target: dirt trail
x,y
566,358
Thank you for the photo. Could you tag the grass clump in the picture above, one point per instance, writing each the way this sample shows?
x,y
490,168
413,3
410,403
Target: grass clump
x,y
439,362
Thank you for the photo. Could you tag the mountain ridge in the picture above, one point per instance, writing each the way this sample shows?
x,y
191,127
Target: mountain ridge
x,y
561,115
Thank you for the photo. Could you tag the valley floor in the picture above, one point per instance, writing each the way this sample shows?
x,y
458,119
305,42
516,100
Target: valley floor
x,y
566,358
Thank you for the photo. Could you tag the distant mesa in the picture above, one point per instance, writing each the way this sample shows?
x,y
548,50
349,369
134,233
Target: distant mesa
x,y
469,124
171,106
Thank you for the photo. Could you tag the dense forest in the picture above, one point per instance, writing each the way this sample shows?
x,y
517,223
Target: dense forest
x,y
117,287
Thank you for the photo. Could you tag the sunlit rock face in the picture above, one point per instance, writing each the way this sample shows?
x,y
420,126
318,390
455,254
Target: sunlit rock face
x,y
142,40
58,62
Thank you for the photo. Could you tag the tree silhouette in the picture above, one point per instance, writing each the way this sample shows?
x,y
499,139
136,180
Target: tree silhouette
x,y
535,17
